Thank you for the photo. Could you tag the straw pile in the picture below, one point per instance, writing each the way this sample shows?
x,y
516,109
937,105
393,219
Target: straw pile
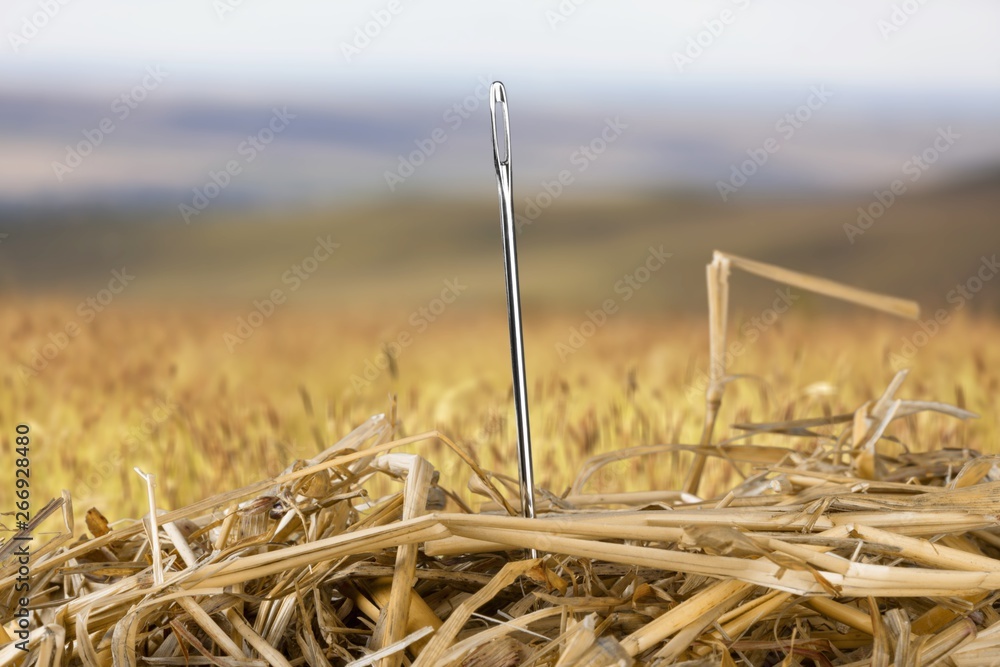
x,y
835,550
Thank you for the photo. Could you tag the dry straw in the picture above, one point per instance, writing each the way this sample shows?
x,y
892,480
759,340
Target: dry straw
x,y
831,552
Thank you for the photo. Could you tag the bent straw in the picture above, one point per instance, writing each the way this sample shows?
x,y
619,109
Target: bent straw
x,y
717,273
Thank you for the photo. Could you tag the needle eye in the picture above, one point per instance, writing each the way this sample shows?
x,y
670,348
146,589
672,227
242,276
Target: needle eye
x,y
501,130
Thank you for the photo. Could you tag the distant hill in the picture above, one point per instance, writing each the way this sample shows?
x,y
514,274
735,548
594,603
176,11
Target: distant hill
x,y
398,253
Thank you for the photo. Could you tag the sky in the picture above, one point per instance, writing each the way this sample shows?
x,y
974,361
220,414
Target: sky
x,y
903,43
698,84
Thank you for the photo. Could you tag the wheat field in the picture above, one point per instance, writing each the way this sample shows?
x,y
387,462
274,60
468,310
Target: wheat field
x,y
210,405
155,387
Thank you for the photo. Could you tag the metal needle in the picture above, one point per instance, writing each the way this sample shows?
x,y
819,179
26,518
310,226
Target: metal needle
x,y
501,160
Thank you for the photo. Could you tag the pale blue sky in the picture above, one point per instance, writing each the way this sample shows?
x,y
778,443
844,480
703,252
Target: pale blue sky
x,y
898,77
942,45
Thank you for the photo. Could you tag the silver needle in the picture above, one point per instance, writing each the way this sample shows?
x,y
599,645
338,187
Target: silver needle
x,y
501,160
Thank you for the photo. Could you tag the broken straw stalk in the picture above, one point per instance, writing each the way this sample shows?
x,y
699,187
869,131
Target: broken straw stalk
x,y
717,274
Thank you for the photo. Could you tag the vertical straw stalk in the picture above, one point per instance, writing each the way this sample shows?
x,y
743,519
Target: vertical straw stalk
x,y
717,274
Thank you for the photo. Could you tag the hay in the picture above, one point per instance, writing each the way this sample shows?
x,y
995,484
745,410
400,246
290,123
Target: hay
x,y
840,549
808,558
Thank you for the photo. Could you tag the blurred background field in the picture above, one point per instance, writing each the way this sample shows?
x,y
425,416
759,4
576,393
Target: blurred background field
x,y
221,157
397,254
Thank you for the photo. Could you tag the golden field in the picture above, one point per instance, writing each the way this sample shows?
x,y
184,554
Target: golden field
x,y
161,377
157,388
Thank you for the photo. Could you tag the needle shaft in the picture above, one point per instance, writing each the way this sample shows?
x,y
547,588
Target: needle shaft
x,y
501,159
